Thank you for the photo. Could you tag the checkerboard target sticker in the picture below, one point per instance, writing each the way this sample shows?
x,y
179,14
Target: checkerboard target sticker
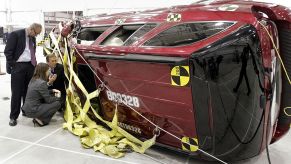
x,y
120,21
174,17
189,144
180,75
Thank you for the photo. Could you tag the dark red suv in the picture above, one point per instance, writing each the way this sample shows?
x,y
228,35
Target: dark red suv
x,y
208,71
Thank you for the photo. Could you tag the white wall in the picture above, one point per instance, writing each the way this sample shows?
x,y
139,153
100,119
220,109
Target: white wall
x,y
106,5
23,12
77,5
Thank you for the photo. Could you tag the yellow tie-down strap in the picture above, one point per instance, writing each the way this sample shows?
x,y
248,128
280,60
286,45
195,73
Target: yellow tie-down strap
x,y
114,142
42,42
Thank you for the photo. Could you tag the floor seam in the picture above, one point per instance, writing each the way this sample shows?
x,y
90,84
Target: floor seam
x,y
27,147
55,148
152,158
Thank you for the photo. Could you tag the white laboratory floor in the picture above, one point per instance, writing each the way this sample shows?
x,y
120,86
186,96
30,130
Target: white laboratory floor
x,y
51,144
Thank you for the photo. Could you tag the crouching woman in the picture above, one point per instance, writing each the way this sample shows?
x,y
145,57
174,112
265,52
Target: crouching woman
x,y
40,103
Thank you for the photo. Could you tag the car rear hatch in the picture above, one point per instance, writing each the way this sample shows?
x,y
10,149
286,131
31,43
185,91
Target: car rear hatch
x,y
157,84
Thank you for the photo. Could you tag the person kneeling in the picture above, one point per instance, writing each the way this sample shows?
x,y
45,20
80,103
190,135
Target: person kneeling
x,y
40,104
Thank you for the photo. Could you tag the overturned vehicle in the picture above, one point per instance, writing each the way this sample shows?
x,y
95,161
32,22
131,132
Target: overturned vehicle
x,y
210,73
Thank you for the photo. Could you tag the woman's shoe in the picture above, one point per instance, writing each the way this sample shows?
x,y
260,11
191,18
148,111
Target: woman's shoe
x,y
37,123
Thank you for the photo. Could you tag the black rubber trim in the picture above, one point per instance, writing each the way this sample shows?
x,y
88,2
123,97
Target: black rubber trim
x,y
138,58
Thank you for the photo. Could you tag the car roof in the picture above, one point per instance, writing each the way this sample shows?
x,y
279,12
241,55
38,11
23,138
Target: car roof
x,y
208,10
240,12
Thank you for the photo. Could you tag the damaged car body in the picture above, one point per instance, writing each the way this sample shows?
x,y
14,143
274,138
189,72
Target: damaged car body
x,y
203,71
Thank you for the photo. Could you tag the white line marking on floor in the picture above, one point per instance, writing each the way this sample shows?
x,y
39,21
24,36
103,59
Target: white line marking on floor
x,y
153,158
55,148
27,147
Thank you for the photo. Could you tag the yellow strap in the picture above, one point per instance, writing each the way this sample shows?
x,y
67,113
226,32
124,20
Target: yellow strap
x,y
46,50
111,142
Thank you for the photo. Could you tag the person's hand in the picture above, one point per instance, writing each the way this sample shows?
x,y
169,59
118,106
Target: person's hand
x,y
52,78
56,92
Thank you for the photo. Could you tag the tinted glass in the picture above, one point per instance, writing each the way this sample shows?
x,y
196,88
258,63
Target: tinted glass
x,y
90,34
139,33
228,88
187,33
120,35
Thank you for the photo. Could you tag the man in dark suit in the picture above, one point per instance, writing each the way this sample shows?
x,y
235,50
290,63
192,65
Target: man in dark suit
x,y
21,61
60,81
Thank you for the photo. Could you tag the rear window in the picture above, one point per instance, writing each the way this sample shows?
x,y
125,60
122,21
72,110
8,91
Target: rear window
x,y
127,34
139,33
187,33
89,34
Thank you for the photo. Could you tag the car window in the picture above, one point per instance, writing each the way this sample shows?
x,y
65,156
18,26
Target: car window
x,y
187,33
